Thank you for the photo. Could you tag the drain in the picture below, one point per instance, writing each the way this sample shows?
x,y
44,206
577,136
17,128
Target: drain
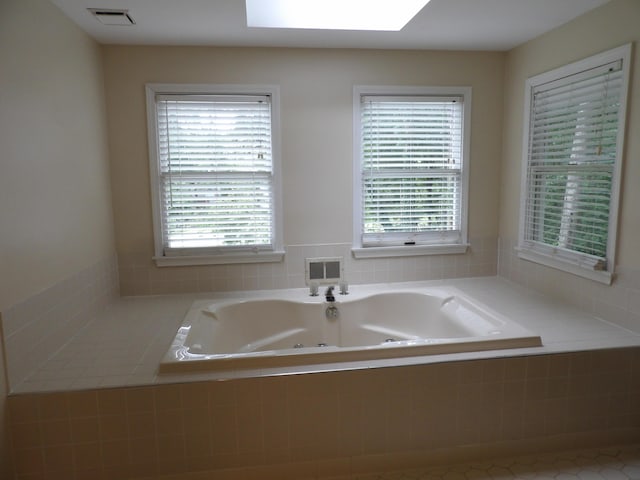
x,y
389,340
323,345
298,345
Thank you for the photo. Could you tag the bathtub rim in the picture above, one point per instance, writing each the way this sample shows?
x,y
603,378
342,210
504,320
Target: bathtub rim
x,y
198,363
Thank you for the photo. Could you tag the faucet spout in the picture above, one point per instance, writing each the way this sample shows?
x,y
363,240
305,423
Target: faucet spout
x,y
328,295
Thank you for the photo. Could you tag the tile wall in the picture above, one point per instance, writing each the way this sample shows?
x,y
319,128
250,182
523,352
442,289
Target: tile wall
x,y
37,327
330,424
618,303
140,276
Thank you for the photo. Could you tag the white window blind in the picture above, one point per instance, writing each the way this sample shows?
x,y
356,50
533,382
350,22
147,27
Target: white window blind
x,y
572,165
215,169
411,167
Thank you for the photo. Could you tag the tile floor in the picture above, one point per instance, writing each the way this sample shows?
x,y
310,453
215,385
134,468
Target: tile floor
x,y
616,463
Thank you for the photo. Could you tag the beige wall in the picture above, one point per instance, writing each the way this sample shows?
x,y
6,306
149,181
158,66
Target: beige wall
x,y
614,24
55,205
55,212
316,99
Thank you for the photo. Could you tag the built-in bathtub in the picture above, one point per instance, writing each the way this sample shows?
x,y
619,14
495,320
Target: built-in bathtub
x,y
292,328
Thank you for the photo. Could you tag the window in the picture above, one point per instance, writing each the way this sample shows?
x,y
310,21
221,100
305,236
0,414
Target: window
x,y
214,173
574,128
410,169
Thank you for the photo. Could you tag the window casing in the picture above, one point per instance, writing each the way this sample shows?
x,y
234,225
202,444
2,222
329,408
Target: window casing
x,y
573,143
411,150
215,176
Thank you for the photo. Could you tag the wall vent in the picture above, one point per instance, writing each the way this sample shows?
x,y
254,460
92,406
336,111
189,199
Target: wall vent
x,y
324,270
108,16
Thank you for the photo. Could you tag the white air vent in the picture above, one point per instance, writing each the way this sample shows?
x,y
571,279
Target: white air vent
x,y
108,16
324,270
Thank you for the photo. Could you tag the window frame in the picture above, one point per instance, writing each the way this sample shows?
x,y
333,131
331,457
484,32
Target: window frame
x,y
358,249
212,256
571,261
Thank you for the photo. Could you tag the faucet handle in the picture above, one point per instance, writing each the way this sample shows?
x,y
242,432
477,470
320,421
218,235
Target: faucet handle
x,y
329,294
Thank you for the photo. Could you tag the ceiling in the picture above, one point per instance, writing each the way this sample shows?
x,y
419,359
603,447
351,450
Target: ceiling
x,y
442,24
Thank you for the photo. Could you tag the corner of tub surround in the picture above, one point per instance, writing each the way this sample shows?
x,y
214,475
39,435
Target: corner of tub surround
x,y
618,303
140,276
35,328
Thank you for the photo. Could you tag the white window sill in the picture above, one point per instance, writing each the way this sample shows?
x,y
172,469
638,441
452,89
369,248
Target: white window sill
x,y
408,250
226,259
569,266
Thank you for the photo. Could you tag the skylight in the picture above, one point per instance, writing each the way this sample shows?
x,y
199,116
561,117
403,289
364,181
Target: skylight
x,y
387,15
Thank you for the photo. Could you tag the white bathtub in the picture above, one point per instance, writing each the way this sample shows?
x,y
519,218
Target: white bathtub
x,y
292,328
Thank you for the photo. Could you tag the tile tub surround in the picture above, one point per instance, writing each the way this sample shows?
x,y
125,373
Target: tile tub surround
x,y
140,276
98,409
37,327
618,303
123,345
331,424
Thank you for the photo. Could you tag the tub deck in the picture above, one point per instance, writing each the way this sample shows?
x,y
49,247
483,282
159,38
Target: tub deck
x,y
124,345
